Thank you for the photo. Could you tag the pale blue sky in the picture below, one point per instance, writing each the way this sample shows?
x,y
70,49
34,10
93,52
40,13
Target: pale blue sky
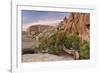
x,y
29,16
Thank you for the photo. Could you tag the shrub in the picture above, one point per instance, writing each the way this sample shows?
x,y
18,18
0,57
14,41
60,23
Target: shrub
x,y
75,42
54,50
55,43
72,41
84,50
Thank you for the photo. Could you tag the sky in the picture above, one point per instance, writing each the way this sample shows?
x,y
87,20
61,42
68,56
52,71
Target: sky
x,y
31,16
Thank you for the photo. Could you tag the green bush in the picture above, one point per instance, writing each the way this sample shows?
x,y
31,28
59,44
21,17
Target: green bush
x,y
85,50
72,41
54,50
75,42
55,43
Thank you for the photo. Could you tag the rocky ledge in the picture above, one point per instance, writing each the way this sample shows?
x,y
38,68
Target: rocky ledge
x,y
44,57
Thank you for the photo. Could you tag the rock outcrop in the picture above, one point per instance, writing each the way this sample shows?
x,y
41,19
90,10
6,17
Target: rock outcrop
x,y
39,57
36,29
77,23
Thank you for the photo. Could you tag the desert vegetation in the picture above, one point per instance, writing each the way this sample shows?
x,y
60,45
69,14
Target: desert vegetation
x,y
56,41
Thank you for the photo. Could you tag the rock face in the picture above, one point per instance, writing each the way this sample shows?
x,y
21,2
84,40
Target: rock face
x,y
35,29
27,43
78,23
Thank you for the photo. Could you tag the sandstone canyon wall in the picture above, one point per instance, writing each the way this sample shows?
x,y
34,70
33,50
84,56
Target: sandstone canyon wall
x,y
77,23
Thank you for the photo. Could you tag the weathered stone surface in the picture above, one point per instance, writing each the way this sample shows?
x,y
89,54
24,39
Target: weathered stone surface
x,y
27,43
36,29
78,23
39,57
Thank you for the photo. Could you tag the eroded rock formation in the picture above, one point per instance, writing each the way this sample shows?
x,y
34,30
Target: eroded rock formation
x,y
78,23
36,29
